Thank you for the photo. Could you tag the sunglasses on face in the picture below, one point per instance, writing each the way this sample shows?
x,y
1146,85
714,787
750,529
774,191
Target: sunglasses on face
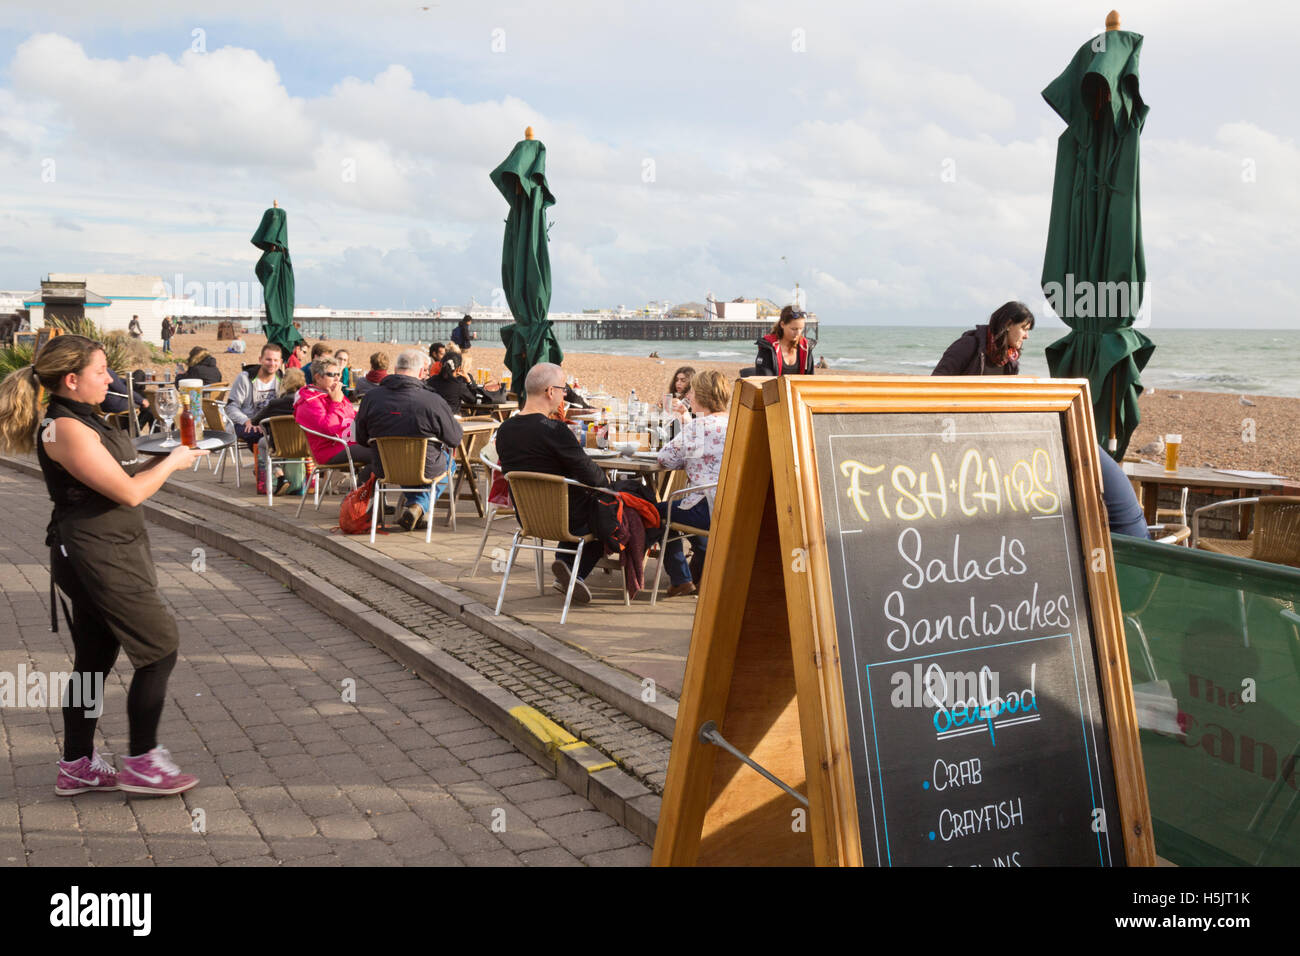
x,y
329,374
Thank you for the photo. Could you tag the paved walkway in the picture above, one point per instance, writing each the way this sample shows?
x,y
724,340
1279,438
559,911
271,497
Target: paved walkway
x,y
649,642
290,772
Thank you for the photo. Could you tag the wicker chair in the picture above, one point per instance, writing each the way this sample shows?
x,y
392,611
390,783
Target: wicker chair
x,y
542,506
676,531
1274,538
288,445
214,419
403,461
322,486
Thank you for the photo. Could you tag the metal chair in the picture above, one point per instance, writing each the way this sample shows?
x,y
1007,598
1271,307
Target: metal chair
x,y
214,419
542,507
1170,533
680,529
1174,515
1275,536
403,460
494,511
288,446
322,487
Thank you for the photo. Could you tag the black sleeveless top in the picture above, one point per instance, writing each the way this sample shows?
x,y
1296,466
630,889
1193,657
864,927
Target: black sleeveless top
x,y
94,515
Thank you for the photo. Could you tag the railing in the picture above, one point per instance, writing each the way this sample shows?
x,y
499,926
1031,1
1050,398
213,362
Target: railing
x,y
1214,647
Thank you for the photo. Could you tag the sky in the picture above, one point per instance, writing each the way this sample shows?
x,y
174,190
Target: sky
x,y
895,160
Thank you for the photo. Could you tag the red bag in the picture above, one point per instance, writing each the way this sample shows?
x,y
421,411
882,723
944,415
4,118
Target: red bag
x,y
354,512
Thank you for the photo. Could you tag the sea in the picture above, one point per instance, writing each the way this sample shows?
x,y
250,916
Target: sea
x,y
1242,361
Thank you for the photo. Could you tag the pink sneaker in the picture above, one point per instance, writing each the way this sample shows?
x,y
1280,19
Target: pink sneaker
x,y
84,775
154,773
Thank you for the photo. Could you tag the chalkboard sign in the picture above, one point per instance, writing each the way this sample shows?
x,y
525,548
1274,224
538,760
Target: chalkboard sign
x,y
909,621
970,677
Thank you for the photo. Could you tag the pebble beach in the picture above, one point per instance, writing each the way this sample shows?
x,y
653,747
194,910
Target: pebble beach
x,y
1218,430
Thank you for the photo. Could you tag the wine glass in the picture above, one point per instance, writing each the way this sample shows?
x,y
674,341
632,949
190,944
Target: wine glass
x,y
168,405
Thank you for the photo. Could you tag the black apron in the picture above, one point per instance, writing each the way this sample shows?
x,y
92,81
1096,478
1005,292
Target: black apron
x,y
99,550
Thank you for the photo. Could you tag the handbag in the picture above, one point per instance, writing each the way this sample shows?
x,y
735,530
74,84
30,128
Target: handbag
x,y
354,512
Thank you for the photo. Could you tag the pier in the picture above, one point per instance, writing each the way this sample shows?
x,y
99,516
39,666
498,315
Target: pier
x,y
403,326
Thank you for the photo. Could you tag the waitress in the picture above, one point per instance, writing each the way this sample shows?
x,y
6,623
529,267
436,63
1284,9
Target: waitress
x,y
99,557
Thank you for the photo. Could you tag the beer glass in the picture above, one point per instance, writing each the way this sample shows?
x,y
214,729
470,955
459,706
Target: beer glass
x,y
1171,452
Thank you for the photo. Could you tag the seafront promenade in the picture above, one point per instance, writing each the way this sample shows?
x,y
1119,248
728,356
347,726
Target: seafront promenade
x,y
315,722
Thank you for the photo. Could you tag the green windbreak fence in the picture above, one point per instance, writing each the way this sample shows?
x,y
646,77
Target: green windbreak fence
x,y
1214,646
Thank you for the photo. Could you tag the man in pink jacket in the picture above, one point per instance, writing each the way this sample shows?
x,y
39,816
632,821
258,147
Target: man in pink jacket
x,y
323,408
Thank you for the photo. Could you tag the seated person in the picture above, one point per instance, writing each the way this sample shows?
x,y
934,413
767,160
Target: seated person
x,y
534,441
698,449
115,401
1123,512
400,405
237,346
249,393
436,351
323,408
378,371
345,372
299,356
318,351
456,385
202,366
282,404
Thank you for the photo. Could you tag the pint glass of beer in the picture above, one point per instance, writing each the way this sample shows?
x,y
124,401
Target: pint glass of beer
x,y
1171,452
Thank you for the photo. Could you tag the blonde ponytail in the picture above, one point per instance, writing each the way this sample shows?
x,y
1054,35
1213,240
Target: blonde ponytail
x,y
18,411
63,355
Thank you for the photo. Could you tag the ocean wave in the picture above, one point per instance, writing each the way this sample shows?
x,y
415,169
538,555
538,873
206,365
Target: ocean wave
x,y
718,354
930,364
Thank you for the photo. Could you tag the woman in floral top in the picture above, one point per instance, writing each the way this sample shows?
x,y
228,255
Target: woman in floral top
x,y
698,449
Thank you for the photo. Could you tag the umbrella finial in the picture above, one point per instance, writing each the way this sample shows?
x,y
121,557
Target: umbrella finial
x,y
528,132
275,204
1112,20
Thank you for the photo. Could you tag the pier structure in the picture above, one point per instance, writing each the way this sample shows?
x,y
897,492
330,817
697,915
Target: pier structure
x,y
426,326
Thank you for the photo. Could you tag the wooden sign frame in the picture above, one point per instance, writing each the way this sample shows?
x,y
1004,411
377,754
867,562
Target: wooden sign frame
x,y
764,659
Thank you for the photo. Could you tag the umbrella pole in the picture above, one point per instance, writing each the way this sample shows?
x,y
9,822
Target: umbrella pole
x,y
1113,443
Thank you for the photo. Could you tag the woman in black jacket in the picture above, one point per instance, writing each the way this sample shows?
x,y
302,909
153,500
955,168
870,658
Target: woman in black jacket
x,y
202,366
784,350
992,349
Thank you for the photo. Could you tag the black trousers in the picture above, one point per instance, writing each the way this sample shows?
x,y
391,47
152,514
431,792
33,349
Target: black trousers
x,y
99,622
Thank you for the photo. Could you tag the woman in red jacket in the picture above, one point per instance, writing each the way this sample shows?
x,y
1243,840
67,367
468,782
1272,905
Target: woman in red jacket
x,y
322,407
784,350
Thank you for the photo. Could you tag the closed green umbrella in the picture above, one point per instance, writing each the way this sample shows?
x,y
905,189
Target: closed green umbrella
x,y
275,272
525,260
1094,271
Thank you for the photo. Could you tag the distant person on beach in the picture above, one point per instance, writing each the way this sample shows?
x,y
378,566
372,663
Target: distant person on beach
x,y
463,335
299,356
992,349
167,330
133,327
822,363
784,350
250,393
698,449
534,441
202,366
100,562
238,346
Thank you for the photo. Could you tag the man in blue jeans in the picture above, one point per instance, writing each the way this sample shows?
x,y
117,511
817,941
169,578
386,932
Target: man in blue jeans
x,y
400,405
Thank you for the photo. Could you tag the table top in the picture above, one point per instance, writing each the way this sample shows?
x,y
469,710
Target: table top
x,y
1204,477
470,428
152,444
620,463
